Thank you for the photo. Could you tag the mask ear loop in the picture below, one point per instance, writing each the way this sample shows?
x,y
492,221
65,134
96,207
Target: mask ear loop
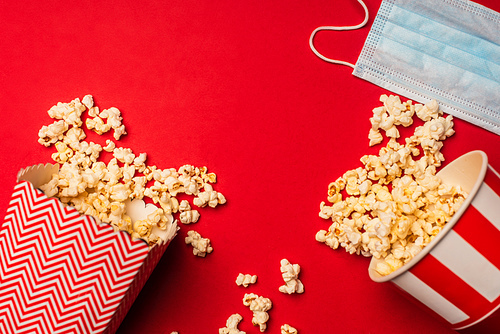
x,y
336,28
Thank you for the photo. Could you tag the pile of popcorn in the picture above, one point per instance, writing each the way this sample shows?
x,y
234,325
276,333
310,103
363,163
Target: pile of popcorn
x,y
394,205
102,190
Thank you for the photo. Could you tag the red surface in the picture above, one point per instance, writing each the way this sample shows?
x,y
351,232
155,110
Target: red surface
x,y
233,86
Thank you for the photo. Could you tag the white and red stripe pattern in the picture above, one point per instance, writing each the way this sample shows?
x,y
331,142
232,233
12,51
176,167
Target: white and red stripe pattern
x,y
61,272
459,279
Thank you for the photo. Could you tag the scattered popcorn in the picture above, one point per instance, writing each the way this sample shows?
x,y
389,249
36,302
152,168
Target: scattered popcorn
x,y
287,329
246,279
101,190
201,246
259,306
290,274
232,325
396,204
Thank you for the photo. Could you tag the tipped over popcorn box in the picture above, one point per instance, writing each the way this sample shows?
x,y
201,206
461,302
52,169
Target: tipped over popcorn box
x,y
457,275
63,272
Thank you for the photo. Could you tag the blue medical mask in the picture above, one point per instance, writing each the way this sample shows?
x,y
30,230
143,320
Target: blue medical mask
x,y
448,50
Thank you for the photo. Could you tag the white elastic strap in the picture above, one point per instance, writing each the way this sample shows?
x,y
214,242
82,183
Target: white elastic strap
x,y
334,61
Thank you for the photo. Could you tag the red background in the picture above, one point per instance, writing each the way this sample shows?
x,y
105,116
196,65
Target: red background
x,y
233,86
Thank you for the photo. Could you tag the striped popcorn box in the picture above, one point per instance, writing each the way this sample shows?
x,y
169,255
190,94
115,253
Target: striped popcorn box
x,y
457,275
62,272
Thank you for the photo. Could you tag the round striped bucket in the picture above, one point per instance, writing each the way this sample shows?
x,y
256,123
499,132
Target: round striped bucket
x,y
457,275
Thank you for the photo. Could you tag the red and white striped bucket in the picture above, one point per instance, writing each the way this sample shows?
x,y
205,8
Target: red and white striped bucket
x,y
457,276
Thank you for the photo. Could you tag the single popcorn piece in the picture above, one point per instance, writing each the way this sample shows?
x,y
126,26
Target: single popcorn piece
x,y
124,155
88,101
259,306
395,203
101,190
63,154
375,137
119,131
201,246
74,137
70,113
246,279
287,329
290,273
110,146
189,217
209,197
232,325
428,111
49,135
113,117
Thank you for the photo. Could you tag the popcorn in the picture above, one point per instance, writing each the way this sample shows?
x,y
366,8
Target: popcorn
x,y
209,197
114,121
330,237
88,101
201,246
168,204
375,137
97,124
428,112
113,116
49,135
124,155
63,152
110,146
246,280
184,206
120,192
73,138
287,329
259,306
52,187
93,111
70,113
139,162
101,190
232,325
189,217
119,131
141,229
389,265
290,274
396,204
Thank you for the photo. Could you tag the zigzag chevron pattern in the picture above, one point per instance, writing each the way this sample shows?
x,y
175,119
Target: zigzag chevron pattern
x,y
61,272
